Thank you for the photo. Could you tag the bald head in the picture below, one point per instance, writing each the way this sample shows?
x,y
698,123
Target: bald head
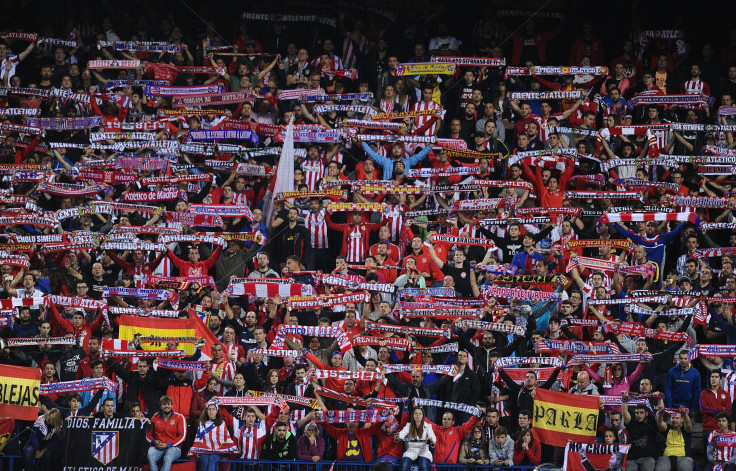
x,y
583,379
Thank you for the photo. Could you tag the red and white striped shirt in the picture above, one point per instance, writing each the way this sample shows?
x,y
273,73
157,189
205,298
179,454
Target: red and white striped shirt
x,y
223,370
335,63
420,121
317,226
696,87
542,124
720,453
500,407
356,246
395,223
241,198
313,171
351,48
250,440
291,425
387,106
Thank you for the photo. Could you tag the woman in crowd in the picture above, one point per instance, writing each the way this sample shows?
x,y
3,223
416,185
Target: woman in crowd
x,y
212,440
418,436
44,442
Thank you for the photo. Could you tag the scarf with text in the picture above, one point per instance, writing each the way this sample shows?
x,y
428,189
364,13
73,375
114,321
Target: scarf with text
x,y
343,341
250,401
695,100
341,280
613,358
553,95
82,385
270,352
425,68
213,99
496,292
637,330
331,194
623,244
471,61
349,399
352,416
472,410
407,330
425,369
441,172
647,216
644,270
21,341
533,279
390,343
573,347
613,195
505,362
407,114
725,351
642,311
446,348
556,70
366,124
456,240
491,326
140,293
304,302
362,375
700,201
441,312
182,365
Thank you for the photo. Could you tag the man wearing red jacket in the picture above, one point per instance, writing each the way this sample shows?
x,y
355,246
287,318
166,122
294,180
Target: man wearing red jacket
x,y
194,267
78,326
347,448
139,268
713,401
449,437
355,236
166,436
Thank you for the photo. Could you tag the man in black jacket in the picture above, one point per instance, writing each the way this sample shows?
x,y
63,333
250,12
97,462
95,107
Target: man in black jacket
x,y
280,445
417,388
522,396
294,239
464,387
146,382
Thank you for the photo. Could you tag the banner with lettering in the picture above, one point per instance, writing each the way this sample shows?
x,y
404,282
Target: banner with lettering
x,y
104,444
19,389
594,457
560,418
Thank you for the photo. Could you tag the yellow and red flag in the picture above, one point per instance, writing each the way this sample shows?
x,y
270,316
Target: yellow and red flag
x,y
130,326
19,388
560,417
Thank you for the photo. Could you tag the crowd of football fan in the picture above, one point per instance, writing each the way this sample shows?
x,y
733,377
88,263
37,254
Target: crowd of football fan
x,y
401,254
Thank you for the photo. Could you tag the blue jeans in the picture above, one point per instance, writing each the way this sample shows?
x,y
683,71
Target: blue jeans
x,y
209,462
168,454
423,463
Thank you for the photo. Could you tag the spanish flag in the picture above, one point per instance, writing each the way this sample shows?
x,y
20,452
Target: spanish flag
x,y
560,417
130,326
19,388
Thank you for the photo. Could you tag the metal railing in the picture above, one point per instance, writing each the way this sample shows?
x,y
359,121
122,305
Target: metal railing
x,y
15,463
